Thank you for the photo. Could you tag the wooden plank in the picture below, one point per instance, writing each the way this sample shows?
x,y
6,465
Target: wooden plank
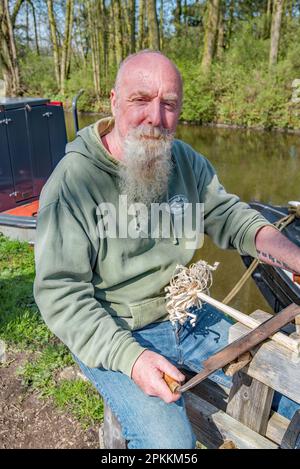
x,y
213,426
272,364
250,402
251,322
277,427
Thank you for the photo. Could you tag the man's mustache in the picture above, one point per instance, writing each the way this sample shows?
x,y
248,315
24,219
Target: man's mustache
x,y
151,132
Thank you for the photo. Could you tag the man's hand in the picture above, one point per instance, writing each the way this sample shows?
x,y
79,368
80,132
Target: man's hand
x,y
147,373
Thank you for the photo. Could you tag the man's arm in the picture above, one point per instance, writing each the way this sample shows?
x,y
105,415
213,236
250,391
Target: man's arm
x,y
276,249
64,293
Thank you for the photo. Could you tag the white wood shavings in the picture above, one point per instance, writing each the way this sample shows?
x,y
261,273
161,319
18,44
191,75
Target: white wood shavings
x,y
182,293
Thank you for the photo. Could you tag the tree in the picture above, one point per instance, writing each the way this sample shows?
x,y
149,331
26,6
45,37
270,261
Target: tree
x,y
106,41
93,32
132,26
221,31
268,17
126,28
231,20
8,50
61,43
154,42
161,24
66,48
118,35
211,27
142,18
275,32
29,2
177,17
54,40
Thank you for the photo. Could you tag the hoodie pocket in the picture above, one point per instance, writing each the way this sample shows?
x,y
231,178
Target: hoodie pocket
x,y
148,311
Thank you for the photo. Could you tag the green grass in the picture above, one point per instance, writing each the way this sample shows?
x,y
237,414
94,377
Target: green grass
x,y
81,400
20,321
78,397
40,374
23,329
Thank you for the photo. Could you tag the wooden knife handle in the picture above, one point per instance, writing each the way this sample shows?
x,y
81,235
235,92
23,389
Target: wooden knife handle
x,y
173,385
296,278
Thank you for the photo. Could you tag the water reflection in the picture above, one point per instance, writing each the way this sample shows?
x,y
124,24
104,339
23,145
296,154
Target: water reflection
x,y
255,165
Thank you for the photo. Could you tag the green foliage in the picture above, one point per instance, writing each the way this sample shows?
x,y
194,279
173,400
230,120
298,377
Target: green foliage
x,y
198,102
37,74
240,89
81,78
254,99
248,48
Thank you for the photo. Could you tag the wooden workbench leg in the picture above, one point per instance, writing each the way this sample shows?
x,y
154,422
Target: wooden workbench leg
x,y
250,402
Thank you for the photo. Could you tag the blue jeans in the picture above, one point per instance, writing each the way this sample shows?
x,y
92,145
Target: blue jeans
x,y
148,422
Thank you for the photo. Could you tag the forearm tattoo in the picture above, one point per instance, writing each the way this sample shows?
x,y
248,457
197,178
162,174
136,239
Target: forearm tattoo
x,y
272,260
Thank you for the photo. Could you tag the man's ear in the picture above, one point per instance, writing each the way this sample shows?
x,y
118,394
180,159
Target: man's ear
x,y
113,100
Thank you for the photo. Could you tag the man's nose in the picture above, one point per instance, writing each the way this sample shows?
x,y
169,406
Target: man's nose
x,y
154,116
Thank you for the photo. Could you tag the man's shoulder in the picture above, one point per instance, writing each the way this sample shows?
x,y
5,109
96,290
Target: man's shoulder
x,y
70,174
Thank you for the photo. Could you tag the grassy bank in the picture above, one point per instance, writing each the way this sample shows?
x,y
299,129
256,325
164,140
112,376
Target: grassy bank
x,y
22,329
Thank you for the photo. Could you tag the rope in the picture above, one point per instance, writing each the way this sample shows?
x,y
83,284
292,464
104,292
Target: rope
x,y
241,282
294,212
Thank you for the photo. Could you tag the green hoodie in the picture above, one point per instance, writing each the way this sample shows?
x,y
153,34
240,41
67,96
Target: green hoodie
x,y
92,291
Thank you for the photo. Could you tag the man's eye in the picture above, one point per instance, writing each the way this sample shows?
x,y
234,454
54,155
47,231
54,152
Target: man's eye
x,y
140,100
171,106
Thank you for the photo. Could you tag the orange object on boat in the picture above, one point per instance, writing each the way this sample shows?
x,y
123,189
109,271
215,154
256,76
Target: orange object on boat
x,y
25,210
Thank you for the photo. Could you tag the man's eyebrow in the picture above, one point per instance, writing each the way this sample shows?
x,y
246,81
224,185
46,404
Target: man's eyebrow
x,y
168,97
137,93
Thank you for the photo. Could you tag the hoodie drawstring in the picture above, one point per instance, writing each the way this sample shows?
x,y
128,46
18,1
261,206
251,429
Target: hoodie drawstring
x,y
175,239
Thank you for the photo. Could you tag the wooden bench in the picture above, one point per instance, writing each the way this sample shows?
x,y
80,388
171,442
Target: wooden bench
x,y
242,414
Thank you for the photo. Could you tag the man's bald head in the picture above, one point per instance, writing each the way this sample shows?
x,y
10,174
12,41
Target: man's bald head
x,y
137,59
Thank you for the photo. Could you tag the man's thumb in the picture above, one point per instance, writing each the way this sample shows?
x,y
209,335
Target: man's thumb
x,y
172,371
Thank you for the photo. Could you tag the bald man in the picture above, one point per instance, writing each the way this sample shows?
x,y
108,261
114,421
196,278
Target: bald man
x,y
102,265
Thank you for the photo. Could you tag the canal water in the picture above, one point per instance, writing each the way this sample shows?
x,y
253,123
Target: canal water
x,y
255,165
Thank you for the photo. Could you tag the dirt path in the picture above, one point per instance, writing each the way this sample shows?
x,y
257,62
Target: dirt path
x,y
29,422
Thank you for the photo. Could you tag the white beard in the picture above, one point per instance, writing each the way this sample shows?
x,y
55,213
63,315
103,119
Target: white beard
x,y
146,165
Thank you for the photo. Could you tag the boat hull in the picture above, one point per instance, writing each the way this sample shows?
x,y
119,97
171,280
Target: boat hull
x,y
20,223
276,284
